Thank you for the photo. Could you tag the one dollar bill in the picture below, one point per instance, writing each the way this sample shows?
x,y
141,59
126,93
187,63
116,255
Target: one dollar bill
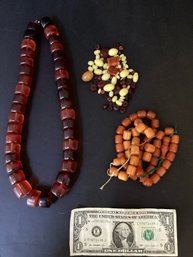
x,y
128,232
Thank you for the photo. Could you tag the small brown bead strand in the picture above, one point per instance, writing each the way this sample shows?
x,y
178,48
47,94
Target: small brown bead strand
x,y
14,167
137,144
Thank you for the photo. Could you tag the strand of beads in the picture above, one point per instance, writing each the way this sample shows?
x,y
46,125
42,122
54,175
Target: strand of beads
x,y
14,167
144,152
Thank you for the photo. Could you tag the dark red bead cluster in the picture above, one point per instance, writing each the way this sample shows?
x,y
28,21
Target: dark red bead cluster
x,y
14,167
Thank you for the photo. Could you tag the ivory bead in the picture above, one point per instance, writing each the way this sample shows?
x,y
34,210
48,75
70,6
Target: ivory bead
x,y
113,171
137,121
166,164
161,171
157,152
127,135
160,134
134,160
131,170
155,123
87,76
126,122
170,156
149,148
141,114
119,148
149,133
169,131
134,132
118,139
157,143
134,150
147,157
175,139
173,148
140,127
151,115
155,178
120,130
133,116
123,176
135,141
126,144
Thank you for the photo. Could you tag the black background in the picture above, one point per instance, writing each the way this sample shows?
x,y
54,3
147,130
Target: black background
x,y
158,40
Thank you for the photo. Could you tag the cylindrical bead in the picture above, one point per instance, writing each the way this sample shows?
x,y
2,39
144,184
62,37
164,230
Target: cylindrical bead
x,y
22,188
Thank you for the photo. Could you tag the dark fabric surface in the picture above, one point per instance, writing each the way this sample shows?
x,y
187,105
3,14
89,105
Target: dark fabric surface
x,y
158,40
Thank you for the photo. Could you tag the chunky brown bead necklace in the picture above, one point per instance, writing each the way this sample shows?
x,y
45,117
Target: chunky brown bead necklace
x,y
14,167
144,152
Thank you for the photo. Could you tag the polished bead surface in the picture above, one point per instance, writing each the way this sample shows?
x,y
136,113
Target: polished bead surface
x,y
67,114
68,123
62,83
57,55
44,201
13,138
27,60
45,21
70,144
16,117
16,176
26,52
33,198
30,34
60,64
69,155
61,74
18,108
12,157
28,43
14,128
54,39
69,133
22,89
64,178
20,99
65,103
57,46
50,30
63,93
12,148
22,188
69,166
25,69
24,79
59,190
13,166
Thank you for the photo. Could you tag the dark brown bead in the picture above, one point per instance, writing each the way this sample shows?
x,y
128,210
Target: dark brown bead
x,y
13,166
63,93
14,128
59,190
44,200
62,83
20,99
57,55
57,46
60,64
64,178
93,88
54,39
61,74
69,166
69,133
71,144
69,155
25,69
22,188
16,176
12,157
68,123
65,103
33,198
27,61
18,108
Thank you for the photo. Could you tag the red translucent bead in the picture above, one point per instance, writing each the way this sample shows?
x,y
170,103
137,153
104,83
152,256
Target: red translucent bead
x,y
13,138
69,133
50,31
27,52
25,79
33,198
113,61
71,144
18,108
12,157
16,176
67,114
112,70
64,178
56,46
69,166
16,117
22,188
28,43
25,69
61,74
20,99
59,190
12,148
13,166
14,128
27,60
22,89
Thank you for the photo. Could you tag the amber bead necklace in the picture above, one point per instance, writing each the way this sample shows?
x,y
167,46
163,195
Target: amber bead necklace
x,y
14,167
144,152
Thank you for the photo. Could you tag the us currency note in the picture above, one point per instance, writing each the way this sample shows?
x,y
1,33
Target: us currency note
x,y
123,232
